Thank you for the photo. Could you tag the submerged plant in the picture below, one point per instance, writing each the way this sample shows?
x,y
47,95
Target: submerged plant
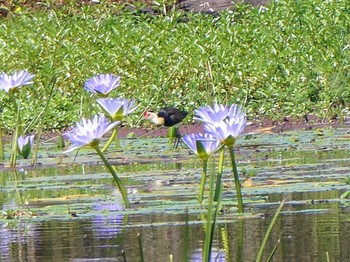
x,y
203,145
89,133
116,109
102,84
10,84
25,145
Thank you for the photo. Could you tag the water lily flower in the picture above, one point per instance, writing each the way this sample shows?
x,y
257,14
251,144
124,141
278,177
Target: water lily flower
x,y
218,112
224,123
203,145
89,132
11,82
227,130
25,145
117,108
102,84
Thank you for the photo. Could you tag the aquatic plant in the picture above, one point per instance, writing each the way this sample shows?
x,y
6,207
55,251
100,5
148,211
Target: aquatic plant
x,y
116,109
225,124
203,145
10,84
102,84
25,145
88,133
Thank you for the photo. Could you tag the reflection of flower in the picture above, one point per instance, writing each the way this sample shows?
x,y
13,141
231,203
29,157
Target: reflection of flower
x,y
117,108
25,145
20,78
102,84
89,132
216,255
15,237
109,222
202,145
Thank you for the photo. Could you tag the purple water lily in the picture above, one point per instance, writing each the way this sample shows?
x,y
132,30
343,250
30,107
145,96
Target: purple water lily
x,y
217,112
202,145
224,123
117,108
88,132
102,84
25,145
18,79
227,130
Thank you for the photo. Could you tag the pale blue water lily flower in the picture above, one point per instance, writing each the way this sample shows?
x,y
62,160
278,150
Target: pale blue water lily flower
x,y
25,145
225,124
18,79
217,113
117,108
102,84
89,132
227,130
203,145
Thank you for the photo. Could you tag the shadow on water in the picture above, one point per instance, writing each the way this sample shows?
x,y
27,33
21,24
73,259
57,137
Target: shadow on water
x,y
67,212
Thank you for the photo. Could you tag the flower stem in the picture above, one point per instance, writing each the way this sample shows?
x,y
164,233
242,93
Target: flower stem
x,y
204,178
208,230
237,182
15,134
110,140
116,178
2,154
218,179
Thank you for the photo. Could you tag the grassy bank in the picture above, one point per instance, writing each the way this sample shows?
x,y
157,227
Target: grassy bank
x,y
288,58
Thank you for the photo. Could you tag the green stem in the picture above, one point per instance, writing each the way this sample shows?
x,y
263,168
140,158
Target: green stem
x,y
218,179
267,234
116,139
15,135
237,183
208,231
2,154
114,136
116,178
216,214
204,178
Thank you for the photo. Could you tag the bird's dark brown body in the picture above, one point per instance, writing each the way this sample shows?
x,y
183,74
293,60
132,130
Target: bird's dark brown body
x,y
167,116
172,116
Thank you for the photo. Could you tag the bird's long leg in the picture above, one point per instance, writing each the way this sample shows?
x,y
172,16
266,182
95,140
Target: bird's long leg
x,y
177,139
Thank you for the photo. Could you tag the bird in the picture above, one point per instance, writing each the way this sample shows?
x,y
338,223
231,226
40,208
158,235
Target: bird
x,y
169,117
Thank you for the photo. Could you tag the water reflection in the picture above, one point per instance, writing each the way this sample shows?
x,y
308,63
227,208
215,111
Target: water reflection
x,y
107,225
312,224
303,238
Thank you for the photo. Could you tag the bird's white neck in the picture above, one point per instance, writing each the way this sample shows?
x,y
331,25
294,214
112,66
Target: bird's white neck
x,y
153,117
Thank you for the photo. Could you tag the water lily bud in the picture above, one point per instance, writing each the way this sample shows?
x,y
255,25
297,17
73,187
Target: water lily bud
x,y
25,145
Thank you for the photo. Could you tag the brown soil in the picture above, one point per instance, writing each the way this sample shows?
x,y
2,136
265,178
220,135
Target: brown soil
x,y
307,123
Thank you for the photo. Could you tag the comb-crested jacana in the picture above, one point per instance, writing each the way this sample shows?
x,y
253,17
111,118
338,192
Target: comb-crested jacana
x,y
169,117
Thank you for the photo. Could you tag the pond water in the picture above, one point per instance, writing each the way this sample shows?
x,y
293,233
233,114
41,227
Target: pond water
x,y
65,211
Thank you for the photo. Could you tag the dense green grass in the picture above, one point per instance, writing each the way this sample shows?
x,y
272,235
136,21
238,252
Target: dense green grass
x,y
289,58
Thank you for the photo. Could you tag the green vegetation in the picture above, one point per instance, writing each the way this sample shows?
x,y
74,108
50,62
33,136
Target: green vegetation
x,y
288,58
